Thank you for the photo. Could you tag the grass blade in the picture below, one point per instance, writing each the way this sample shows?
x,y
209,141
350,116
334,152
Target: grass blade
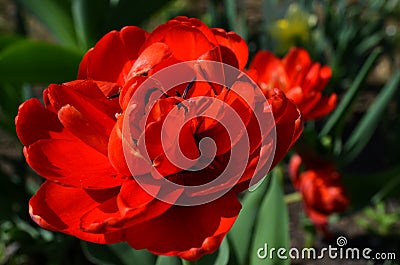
x,y
367,125
337,118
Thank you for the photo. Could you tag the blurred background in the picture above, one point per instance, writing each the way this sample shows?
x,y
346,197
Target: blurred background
x,y
43,41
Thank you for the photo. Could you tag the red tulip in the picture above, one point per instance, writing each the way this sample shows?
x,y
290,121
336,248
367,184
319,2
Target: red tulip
x,y
302,80
132,52
321,188
98,182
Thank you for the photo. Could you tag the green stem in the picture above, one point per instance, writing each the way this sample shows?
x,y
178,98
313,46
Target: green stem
x,y
186,262
293,197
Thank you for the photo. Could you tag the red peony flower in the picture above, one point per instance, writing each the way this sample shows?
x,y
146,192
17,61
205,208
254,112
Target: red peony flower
x,y
301,79
322,190
102,185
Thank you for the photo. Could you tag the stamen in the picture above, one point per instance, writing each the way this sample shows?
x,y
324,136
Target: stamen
x,y
181,105
114,95
188,87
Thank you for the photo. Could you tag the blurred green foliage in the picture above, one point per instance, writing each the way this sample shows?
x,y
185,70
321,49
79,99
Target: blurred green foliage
x,y
377,219
355,38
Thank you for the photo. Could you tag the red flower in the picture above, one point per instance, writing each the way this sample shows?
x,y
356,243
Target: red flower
x,y
132,52
301,79
322,190
75,142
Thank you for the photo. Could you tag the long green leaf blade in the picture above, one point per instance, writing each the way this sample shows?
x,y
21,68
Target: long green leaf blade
x,y
367,125
168,260
56,16
241,233
272,225
116,254
88,17
340,114
9,102
223,253
7,40
372,189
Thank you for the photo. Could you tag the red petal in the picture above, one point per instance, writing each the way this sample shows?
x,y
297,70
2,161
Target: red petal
x,y
34,122
116,152
258,165
194,22
309,103
296,94
325,74
312,79
94,107
217,118
163,167
177,146
278,101
120,155
150,57
324,106
71,162
130,88
232,44
288,129
113,56
294,169
109,90
60,208
132,206
201,88
138,205
186,41
297,64
82,128
100,90
271,72
187,231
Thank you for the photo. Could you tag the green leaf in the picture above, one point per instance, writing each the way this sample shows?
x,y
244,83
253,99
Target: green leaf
x,y
367,125
99,254
6,40
88,17
116,254
38,62
168,260
9,102
339,115
231,13
389,187
11,94
375,187
223,253
241,233
56,16
272,225
236,20
369,42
